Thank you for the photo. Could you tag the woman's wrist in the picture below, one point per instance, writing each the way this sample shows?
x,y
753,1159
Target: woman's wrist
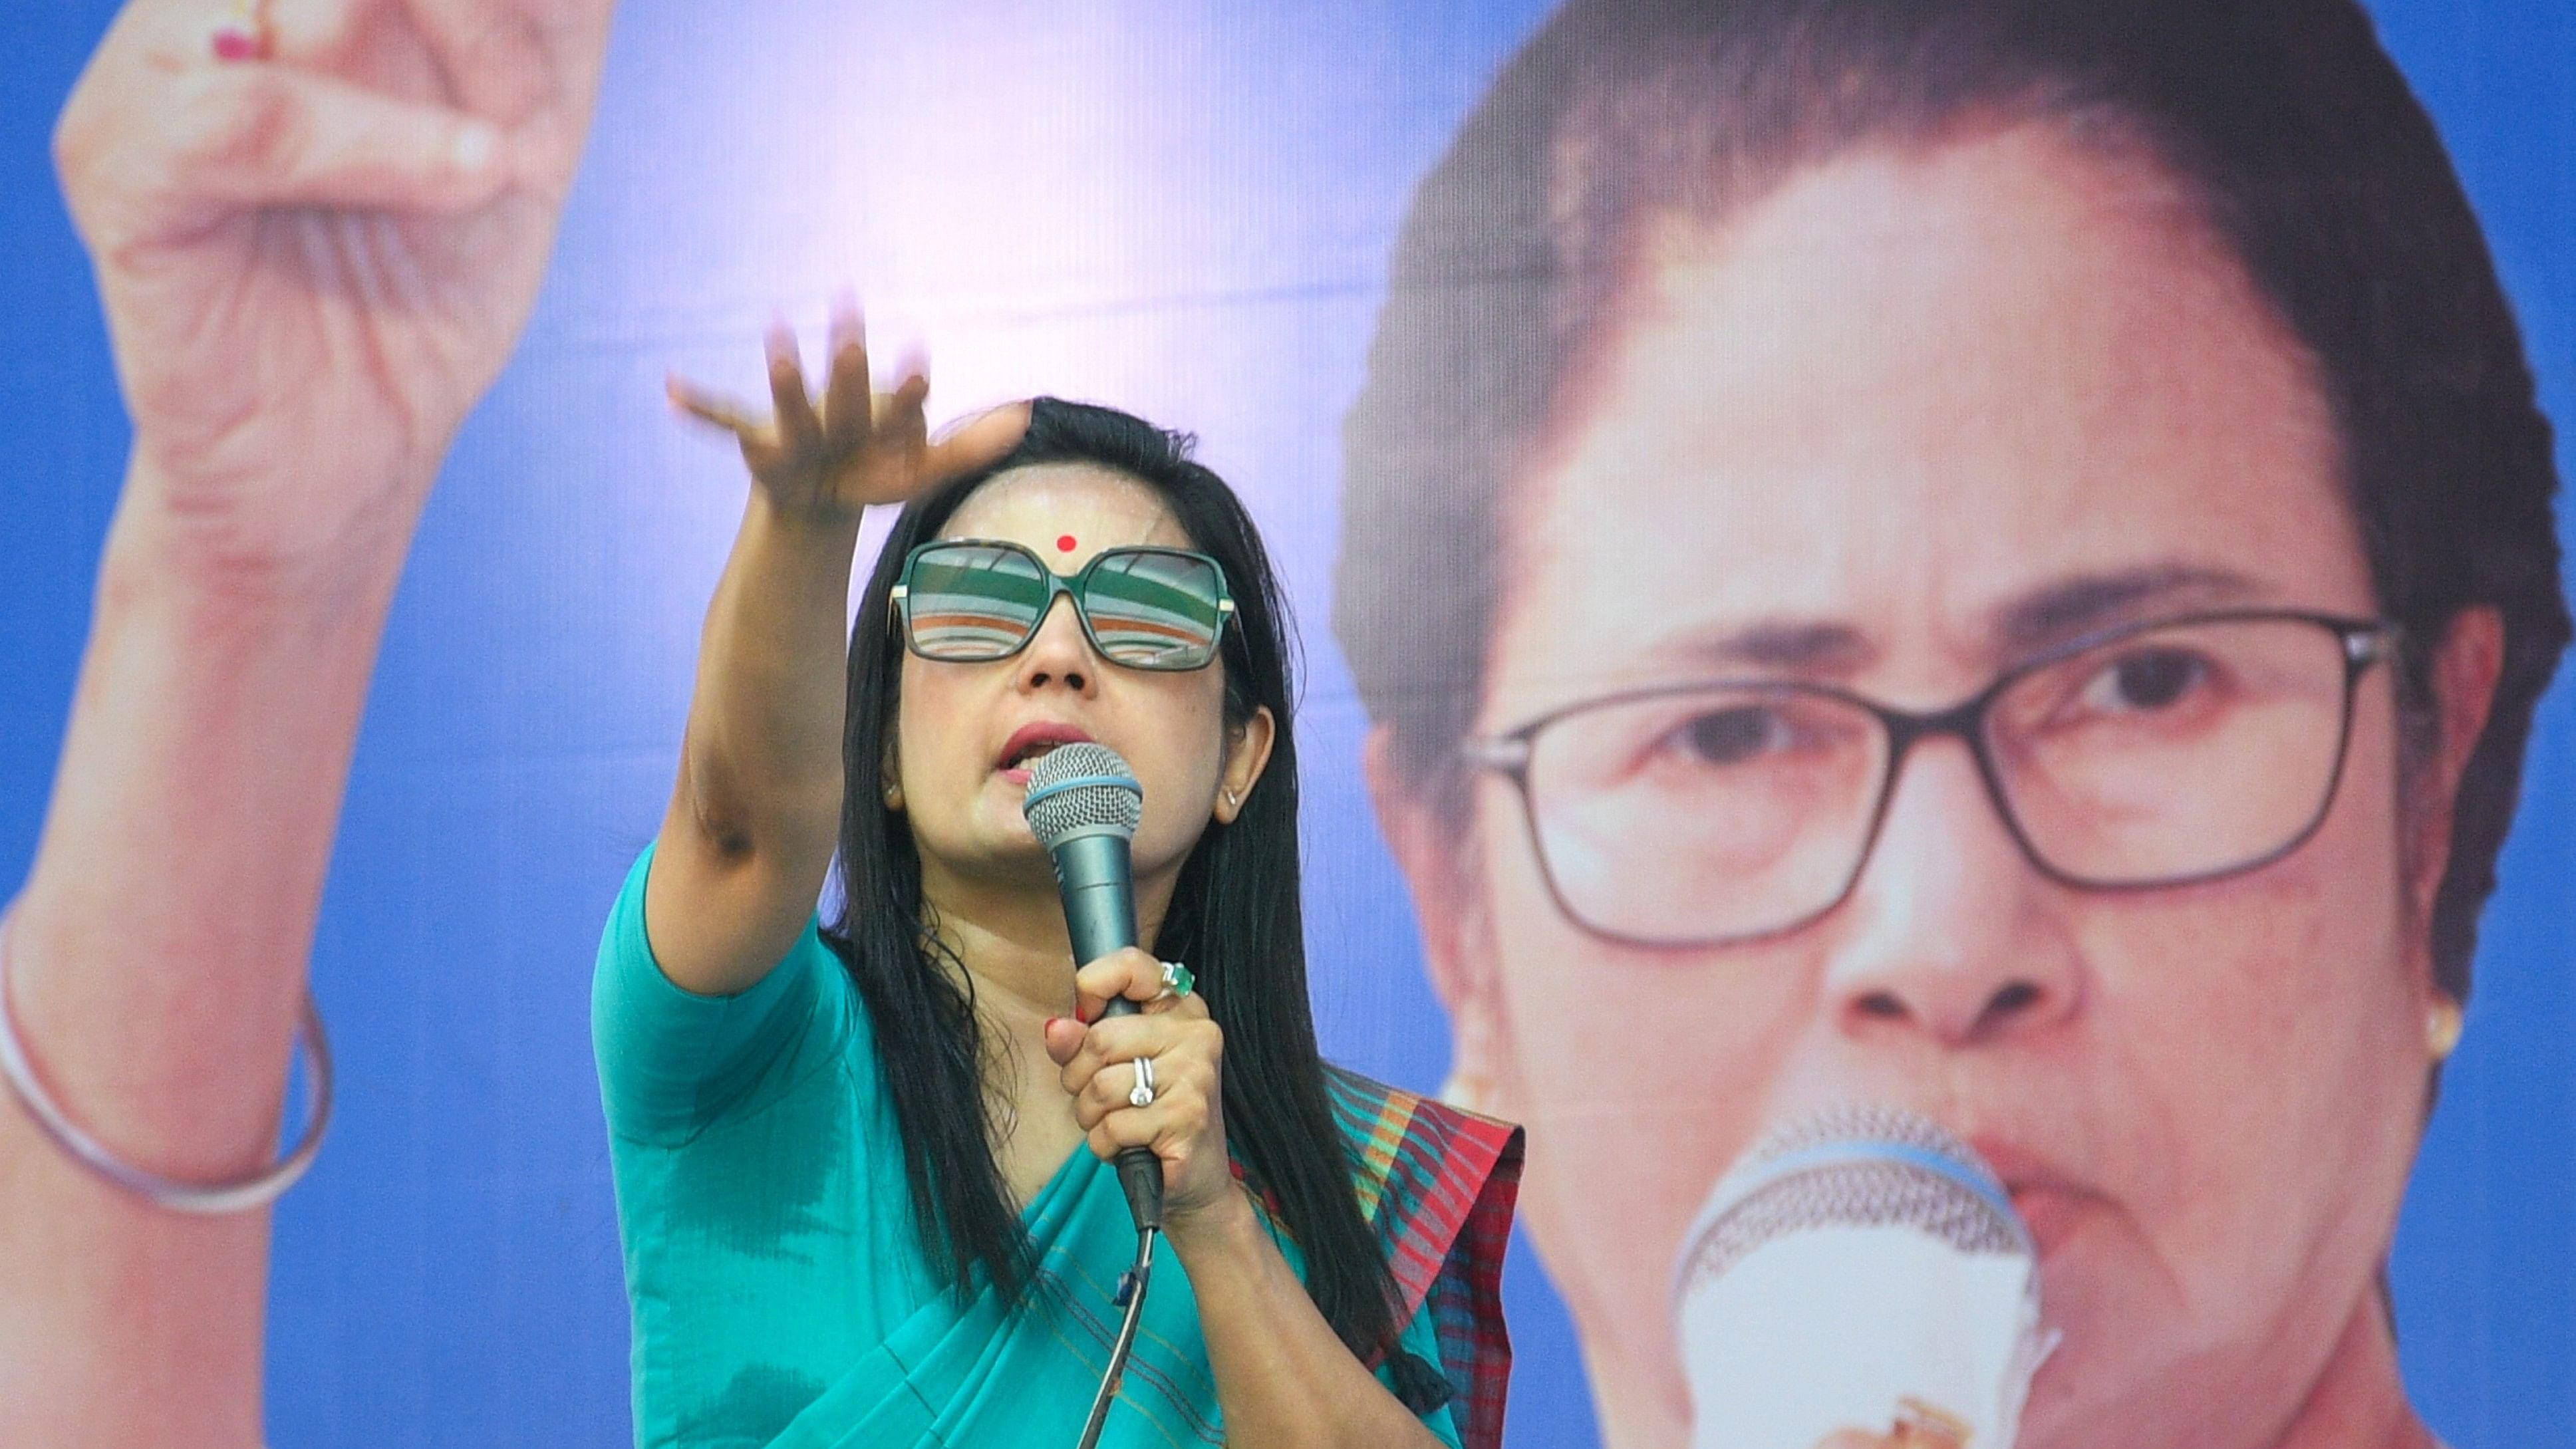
x,y
1226,1231
823,528
239,553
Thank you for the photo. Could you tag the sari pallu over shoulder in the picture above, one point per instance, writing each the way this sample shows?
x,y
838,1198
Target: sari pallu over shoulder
x,y
1438,1184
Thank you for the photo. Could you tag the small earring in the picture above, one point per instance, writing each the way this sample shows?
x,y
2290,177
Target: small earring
x,y
1464,1092
1232,800
2442,1026
894,797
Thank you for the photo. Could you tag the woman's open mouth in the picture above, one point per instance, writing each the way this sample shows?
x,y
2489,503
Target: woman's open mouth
x,y
1031,741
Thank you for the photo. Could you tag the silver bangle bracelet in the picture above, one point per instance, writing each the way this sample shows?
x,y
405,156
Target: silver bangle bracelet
x,y
204,1198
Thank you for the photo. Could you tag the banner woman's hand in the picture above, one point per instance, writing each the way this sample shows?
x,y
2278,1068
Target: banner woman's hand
x,y
827,463
314,261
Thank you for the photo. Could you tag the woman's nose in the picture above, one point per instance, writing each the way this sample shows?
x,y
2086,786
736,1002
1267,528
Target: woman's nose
x,y
1061,654
1950,932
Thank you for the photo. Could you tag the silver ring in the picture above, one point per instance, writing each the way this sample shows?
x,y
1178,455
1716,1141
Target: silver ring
x,y
1142,1094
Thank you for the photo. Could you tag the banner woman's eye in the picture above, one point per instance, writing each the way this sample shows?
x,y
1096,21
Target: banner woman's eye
x,y
1731,736
2149,679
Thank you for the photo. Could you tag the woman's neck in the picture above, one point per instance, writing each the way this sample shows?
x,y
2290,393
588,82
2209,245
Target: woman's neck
x,y
1009,933
2359,1402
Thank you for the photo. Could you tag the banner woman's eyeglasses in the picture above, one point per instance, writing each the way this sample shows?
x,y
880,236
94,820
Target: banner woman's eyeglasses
x,y
2151,755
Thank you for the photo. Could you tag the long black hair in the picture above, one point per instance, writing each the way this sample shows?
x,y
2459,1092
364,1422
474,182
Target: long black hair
x,y
1234,917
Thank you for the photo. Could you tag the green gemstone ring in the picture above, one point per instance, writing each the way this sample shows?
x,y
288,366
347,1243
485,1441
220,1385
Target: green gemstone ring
x,y
1177,980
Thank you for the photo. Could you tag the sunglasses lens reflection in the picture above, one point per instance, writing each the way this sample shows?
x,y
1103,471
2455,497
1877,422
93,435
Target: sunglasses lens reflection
x,y
974,601
1154,610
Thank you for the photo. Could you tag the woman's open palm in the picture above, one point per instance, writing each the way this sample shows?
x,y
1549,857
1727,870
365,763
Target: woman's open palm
x,y
826,460
314,263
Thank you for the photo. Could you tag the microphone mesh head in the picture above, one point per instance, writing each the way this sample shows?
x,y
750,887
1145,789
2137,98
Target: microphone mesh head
x,y
1078,786
1851,1166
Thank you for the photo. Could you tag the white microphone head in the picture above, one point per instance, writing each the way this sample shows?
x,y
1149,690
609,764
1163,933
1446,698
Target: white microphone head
x,y
1082,788
1854,1269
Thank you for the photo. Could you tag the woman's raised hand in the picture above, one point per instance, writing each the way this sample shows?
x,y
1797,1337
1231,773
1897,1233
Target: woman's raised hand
x,y
1185,1123
827,462
315,260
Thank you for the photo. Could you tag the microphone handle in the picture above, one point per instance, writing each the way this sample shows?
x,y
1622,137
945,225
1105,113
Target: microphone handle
x,y
1098,884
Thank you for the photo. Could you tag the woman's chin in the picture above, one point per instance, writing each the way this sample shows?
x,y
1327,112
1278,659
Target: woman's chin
x,y
2106,1321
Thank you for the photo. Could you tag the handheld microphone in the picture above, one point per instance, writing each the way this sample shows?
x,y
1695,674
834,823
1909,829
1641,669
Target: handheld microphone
x,y
1860,1269
1083,804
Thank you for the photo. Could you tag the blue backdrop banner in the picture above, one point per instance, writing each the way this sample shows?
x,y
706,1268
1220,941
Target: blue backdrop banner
x,y
1644,406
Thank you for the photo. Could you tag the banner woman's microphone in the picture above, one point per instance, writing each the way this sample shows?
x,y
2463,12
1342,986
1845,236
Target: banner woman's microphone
x,y
1858,1270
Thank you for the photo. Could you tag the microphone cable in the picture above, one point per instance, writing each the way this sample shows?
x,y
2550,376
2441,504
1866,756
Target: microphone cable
x,y
1131,1291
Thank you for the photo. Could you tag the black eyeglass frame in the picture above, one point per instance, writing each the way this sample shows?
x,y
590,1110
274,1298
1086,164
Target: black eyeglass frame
x,y
2365,642
900,596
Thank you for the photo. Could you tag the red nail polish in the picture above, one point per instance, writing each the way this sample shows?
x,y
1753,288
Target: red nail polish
x,y
1050,1023
235,44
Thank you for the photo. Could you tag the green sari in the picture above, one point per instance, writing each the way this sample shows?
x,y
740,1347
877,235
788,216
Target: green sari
x,y
779,1291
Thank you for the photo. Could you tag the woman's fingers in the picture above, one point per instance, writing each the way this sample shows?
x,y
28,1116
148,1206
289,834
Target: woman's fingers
x,y
901,429
857,447
1178,1072
1167,1038
1170,1128
848,408
977,442
251,137
799,431
713,408
1062,1036
496,55
1131,972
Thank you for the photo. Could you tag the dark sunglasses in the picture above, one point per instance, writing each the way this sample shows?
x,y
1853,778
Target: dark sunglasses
x,y
972,600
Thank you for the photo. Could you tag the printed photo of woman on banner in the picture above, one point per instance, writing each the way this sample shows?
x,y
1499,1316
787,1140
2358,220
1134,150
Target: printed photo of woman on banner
x,y
1991,561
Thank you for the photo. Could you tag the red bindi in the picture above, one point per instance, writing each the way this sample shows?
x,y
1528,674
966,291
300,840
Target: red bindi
x,y
1064,543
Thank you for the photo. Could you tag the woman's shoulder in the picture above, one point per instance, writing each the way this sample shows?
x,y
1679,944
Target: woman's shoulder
x,y
672,1062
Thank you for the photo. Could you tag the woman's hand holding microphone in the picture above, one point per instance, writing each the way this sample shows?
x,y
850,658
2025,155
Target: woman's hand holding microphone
x,y
1181,1114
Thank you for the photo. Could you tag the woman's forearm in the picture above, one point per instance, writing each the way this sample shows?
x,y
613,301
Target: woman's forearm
x,y
1284,1378
762,762
755,814
157,955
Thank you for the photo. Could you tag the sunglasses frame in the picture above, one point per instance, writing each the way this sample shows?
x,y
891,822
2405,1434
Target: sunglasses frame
x,y
1060,584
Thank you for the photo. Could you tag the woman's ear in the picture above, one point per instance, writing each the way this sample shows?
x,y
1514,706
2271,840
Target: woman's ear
x,y
890,775
2467,661
1247,754
1457,939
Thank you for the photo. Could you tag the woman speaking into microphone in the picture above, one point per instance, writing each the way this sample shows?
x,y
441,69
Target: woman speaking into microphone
x,y
861,1163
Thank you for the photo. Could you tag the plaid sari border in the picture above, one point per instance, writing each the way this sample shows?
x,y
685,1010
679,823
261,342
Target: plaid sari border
x,y
1438,1184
